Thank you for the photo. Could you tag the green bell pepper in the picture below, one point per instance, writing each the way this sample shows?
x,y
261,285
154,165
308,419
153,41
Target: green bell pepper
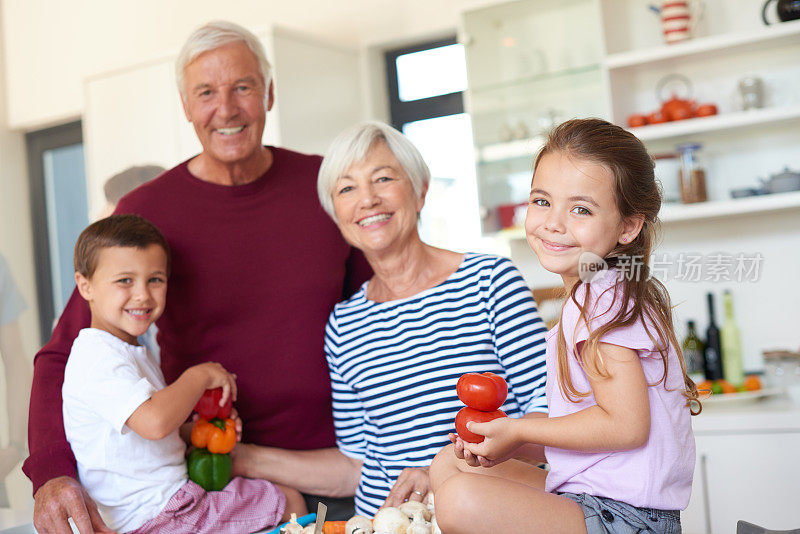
x,y
210,471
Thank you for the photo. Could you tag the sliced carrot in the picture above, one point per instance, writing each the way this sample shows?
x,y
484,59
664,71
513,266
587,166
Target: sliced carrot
x,y
333,527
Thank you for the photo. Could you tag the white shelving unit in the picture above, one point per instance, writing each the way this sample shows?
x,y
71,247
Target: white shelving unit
x,y
718,209
768,36
741,146
718,123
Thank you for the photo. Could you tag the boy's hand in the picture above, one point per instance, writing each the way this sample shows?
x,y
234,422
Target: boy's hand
x,y
217,377
502,440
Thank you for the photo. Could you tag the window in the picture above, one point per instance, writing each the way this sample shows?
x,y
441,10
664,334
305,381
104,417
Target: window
x,y
426,86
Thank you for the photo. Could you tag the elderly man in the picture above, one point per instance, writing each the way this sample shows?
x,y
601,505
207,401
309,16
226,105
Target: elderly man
x,y
257,267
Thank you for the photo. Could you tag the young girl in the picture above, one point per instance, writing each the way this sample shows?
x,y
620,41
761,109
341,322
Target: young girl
x,y
618,437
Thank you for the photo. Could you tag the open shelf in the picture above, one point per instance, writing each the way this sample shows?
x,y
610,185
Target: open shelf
x,y
786,32
714,209
717,123
518,148
730,208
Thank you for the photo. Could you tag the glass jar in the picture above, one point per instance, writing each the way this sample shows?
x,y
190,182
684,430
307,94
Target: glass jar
x,y
692,174
782,368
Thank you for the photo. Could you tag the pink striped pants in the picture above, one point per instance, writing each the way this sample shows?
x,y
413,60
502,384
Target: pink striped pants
x,y
244,505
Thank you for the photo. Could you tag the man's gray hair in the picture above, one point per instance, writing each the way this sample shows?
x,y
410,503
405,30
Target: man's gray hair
x,y
216,34
353,145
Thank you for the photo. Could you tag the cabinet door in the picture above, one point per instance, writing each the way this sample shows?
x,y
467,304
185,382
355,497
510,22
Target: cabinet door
x,y
132,117
748,476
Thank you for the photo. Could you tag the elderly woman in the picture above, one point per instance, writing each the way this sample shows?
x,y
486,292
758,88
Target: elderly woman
x,y
397,347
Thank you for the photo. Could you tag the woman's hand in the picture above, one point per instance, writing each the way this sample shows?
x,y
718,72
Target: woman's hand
x,y
413,484
501,441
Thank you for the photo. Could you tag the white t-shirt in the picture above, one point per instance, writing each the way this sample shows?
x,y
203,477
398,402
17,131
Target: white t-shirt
x,y
131,478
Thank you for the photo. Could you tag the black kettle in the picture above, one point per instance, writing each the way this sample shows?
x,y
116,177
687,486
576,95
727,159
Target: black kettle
x,y
787,10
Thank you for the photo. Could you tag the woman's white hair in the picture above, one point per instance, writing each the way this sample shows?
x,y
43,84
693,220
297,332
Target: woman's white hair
x,y
352,146
217,34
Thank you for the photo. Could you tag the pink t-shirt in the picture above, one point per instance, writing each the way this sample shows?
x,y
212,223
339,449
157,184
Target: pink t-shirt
x,y
659,473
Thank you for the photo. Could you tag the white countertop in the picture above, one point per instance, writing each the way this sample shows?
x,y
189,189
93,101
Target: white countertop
x,y
776,413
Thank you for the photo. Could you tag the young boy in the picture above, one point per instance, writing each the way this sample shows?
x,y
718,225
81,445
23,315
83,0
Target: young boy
x,y
122,420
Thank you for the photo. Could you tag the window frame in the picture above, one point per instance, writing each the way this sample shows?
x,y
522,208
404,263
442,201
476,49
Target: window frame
x,y
401,112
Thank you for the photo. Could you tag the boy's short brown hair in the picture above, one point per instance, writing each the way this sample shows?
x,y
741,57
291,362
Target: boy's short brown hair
x,y
115,231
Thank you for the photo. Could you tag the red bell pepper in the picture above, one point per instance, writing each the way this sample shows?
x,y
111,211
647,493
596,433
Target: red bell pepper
x,y
208,406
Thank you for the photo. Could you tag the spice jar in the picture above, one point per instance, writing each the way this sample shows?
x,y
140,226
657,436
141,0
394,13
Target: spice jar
x,y
692,174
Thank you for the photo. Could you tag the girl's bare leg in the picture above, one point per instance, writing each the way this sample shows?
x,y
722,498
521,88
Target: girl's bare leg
x,y
509,497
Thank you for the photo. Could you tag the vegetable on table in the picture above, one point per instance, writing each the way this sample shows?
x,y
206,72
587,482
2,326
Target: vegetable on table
x,y
208,406
411,507
210,471
334,527
419,525
358,524
292,527
217,435
390,520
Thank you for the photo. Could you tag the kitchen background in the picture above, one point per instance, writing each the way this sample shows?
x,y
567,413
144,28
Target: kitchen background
x,y
90,85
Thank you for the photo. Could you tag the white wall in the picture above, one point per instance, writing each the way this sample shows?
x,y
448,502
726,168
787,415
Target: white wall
x,y
16,244
53,46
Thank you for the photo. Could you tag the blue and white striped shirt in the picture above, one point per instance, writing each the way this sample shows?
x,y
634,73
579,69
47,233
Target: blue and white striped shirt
x,y
394,366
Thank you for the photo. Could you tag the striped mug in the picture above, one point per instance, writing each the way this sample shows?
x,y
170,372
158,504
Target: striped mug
x,y
679,18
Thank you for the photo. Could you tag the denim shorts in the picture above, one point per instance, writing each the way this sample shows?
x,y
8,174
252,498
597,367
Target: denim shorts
x,y
607,516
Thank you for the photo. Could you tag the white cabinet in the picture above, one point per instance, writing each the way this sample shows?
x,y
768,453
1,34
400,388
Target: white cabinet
x,y
133,116
530,63
747,469
528,59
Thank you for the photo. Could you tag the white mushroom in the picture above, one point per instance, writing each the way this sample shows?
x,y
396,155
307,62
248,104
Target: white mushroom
x,y
435,527
309,529
358,524
390,520
419,525
410,508
292,527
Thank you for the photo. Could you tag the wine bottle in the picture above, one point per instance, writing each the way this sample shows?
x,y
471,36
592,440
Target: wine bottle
x,y
731,344
693,354
712,362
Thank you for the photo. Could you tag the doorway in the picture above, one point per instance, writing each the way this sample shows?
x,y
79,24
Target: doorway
x,y
60,212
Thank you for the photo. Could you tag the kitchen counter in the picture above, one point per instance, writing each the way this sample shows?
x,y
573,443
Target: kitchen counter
x,y
772,414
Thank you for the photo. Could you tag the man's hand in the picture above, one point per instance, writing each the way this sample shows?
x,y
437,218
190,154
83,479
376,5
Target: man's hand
x,y
413,484
61,498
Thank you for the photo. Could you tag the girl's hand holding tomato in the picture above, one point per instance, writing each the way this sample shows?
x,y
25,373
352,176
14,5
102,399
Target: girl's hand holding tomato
x,y
467,415
485,392
501,440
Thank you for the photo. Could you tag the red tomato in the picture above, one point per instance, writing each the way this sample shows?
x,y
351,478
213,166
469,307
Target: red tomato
x,y
467,414
208,406
485,392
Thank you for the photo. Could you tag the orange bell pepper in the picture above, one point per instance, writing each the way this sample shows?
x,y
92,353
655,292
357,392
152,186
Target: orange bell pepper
x,y
217,435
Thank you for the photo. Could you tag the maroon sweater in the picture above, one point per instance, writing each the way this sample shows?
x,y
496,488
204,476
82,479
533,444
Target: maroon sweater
x,y
256,269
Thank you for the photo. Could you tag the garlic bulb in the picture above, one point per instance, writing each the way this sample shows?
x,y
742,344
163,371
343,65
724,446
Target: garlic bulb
x,y
411,507
390,520
292,527
309,529
358,524
419,525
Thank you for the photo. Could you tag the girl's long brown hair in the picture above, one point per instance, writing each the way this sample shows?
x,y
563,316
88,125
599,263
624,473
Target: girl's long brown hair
x,y
642,297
